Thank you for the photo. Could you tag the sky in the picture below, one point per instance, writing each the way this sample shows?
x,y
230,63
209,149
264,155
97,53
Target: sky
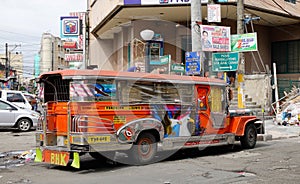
x,y
22,23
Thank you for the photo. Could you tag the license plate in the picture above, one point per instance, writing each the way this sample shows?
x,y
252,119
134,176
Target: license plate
x,y
56,157
98,139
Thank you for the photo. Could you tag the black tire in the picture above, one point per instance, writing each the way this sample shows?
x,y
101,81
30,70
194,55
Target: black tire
x,y
143,150
24,124
248,141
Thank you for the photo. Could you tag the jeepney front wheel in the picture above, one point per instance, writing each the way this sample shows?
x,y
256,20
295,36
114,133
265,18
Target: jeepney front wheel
x,y
143,150
248,141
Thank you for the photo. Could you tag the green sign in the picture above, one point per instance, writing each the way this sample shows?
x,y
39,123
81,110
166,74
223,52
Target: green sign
x,y
177,68
226,61
163,60
244,42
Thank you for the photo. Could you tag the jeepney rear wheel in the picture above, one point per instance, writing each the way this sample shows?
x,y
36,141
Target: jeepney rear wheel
x,y
143,150
248,141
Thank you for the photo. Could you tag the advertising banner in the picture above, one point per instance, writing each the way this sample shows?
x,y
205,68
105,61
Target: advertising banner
x,y
215,38
214,13
192,63
244,42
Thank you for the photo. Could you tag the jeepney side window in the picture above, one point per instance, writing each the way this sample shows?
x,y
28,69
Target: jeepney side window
x,y
91,90
216,99
154,92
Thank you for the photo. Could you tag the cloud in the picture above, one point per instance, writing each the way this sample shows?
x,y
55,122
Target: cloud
x,y
24,21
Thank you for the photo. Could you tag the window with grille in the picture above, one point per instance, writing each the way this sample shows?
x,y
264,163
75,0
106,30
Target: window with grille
x,y
291,1
286,55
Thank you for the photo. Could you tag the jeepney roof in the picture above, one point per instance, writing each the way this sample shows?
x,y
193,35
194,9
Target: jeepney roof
x,y
94,74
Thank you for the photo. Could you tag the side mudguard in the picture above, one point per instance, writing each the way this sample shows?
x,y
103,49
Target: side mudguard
x,y
130,131
238,124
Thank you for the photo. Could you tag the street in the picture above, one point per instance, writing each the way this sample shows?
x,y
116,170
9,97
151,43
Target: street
x,y
270,162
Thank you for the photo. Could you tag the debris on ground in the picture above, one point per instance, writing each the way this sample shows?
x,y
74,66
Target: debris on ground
x,y
16,158
290,112
289,116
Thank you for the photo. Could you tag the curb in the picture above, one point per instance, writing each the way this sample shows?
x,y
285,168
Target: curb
x,y
269,137
264,137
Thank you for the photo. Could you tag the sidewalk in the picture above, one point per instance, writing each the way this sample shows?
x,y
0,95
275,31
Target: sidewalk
x,y
274,131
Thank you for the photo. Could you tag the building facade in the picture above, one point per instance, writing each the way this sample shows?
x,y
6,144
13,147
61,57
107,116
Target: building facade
x,y
15,72
52,54
116,44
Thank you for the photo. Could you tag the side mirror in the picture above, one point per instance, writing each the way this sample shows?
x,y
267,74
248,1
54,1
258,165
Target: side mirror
x,y
9,108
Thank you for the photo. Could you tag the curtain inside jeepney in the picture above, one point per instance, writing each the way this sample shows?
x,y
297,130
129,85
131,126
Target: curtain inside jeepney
x,y
217,103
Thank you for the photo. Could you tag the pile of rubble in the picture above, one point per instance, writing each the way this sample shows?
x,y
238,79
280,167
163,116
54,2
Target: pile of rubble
x,y
290,113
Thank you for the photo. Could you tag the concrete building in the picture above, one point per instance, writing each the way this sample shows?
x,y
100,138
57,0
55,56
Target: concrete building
x,y
15,62
52,53
116,44
116,24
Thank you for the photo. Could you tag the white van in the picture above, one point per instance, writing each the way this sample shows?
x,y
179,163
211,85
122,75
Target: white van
x,y
16,97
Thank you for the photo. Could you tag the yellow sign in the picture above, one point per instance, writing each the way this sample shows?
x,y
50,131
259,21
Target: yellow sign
x,y
98,139
119,119
123,108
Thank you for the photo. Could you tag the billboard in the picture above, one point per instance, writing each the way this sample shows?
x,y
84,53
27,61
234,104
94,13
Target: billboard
x,y
244,42
215,38
69,27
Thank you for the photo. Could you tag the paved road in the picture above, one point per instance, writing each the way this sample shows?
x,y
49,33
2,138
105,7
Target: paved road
x,y
12,140
274,161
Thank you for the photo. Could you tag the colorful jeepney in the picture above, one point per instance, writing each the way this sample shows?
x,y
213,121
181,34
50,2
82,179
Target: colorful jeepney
x,y
104,112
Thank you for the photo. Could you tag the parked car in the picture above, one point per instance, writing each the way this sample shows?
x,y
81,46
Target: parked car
x,y
17,117
16,97
32,100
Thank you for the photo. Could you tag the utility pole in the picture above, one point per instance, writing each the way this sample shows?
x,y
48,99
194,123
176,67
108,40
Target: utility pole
x,y
7,57
52,56
6,60
196,21
241,66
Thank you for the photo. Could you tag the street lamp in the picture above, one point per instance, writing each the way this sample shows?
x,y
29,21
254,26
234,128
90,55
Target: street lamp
x,y
147,35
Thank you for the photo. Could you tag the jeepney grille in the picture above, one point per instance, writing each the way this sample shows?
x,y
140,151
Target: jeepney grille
x,y
39,126
92,124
